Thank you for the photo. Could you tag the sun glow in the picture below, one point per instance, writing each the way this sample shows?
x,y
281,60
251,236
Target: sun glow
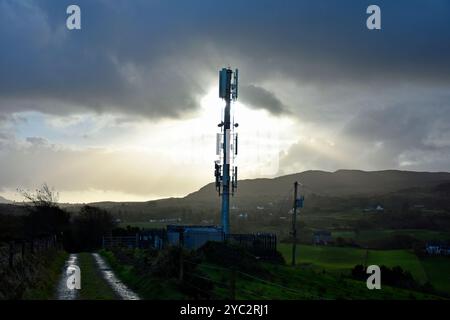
x,y
192,142
142,160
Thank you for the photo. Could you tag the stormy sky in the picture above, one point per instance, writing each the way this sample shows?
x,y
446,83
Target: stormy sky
x,y
127,109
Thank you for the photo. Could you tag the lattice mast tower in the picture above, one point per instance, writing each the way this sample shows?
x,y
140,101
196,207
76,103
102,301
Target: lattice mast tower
x,y
227,145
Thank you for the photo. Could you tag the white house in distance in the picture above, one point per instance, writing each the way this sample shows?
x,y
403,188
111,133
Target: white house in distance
x,y
378,208
437,249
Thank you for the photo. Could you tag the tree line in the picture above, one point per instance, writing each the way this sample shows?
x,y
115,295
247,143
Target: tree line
x,y
80,231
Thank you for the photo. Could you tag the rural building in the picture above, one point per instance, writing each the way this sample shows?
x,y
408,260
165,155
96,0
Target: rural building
x,y
152,238
378,208
193,237
243,216
437,249
322,237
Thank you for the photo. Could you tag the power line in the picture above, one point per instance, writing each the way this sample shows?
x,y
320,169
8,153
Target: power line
x,y
199,289
270,283
243,273
208,266
257,295
208,279
253,293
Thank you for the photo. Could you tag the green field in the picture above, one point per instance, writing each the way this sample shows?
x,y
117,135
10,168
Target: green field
x,y
368,236
340,260
272,282
438,272
403,258
343,259
287,283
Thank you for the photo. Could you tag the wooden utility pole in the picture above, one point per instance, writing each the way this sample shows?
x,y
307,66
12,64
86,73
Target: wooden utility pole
x,y
181,243
294,224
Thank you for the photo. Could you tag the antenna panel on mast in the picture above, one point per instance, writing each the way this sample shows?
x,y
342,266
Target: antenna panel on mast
x,y
218,144
234,86
225,83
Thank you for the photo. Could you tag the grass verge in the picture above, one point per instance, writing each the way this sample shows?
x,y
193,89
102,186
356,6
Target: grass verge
x,y
93,285
287,283
48,272
145,286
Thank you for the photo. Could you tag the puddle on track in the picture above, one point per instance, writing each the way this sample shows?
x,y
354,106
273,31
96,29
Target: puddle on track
x,y
118,286
64,293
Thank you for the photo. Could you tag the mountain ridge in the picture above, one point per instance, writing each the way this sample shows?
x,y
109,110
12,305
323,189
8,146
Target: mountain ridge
x,y
340,183
343,182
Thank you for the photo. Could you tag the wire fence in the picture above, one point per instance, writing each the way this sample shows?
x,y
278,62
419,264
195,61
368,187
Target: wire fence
x,y
13,253
234,286
259,244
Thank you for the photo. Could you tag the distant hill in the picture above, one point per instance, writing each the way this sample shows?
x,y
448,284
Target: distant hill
x,y
5,201
334,199
339,183
254,196
251,192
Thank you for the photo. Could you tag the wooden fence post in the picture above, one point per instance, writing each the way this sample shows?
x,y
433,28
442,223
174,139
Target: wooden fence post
x,y
11,254
181,275
233,284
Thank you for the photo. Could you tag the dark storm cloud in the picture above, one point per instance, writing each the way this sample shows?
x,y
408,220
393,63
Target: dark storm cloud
x,y
261,98
116,63
404,128
156,58
381,96
410,132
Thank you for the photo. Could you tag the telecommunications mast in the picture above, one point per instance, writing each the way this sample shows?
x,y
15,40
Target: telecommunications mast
x,y
227,145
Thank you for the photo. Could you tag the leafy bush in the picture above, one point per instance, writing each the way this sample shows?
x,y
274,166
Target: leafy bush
x,y
164,266
396,277
227,255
